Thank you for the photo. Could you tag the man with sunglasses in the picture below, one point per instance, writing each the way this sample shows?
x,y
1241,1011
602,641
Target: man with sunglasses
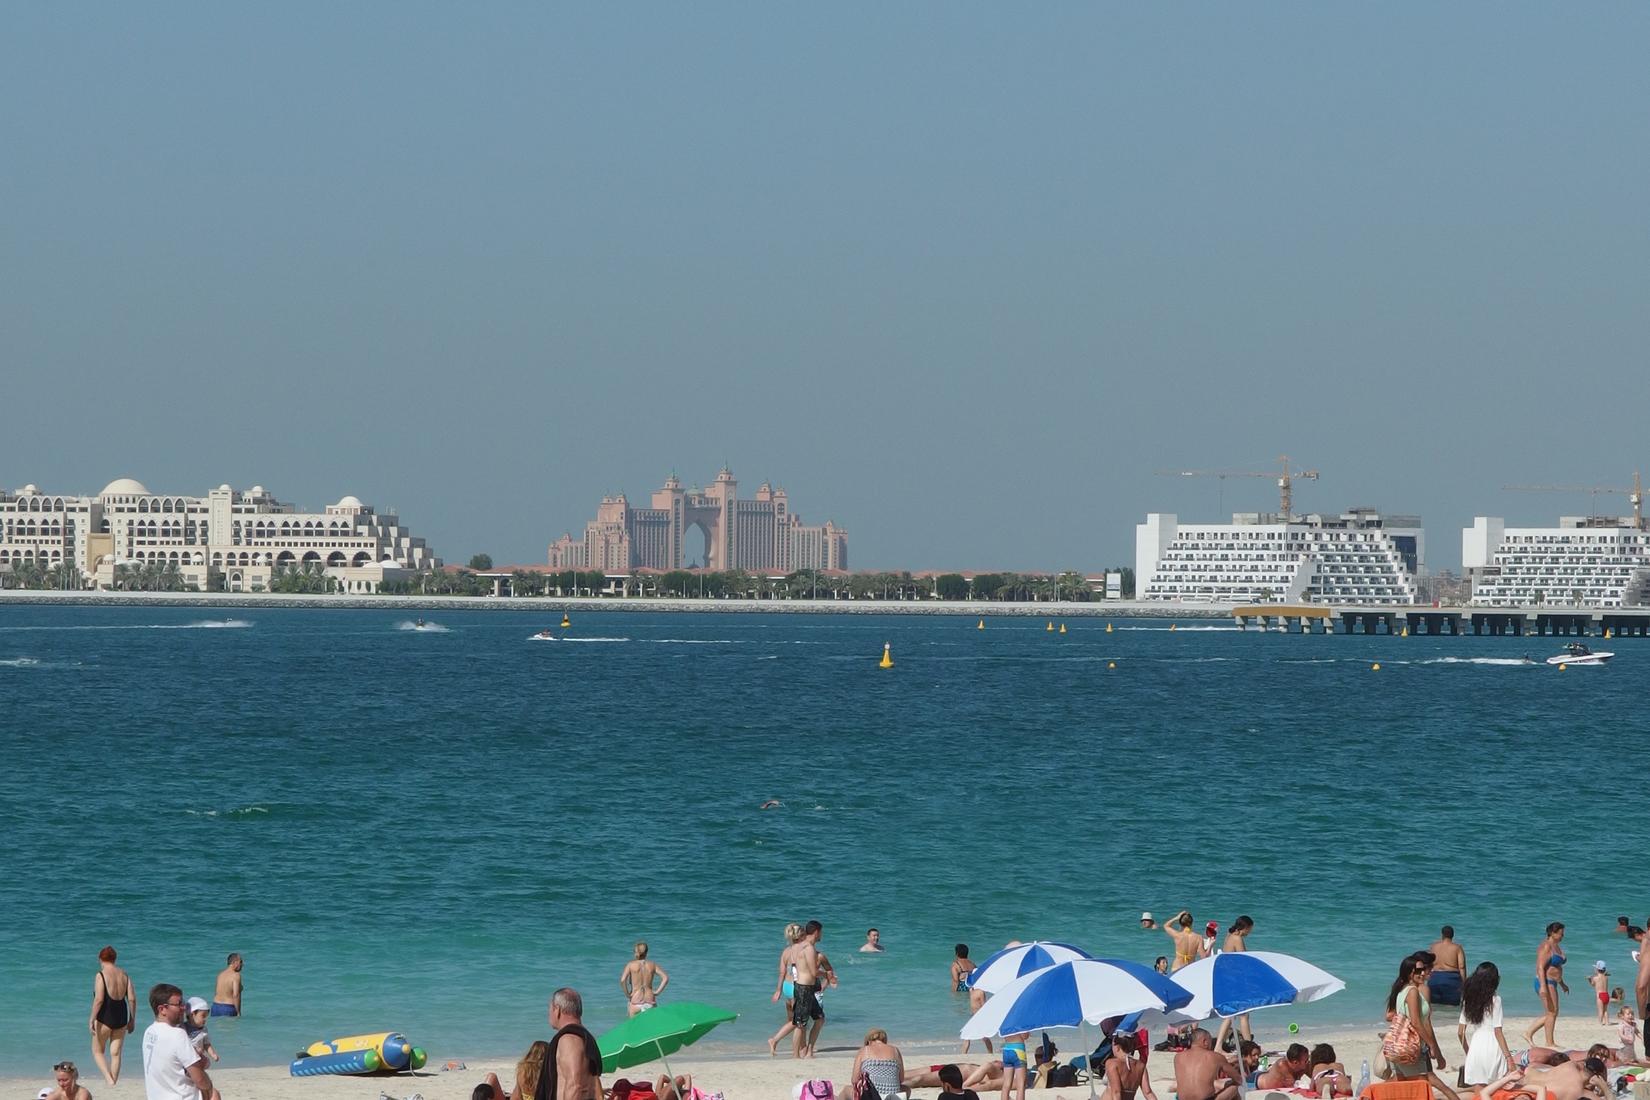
x,y
172,1068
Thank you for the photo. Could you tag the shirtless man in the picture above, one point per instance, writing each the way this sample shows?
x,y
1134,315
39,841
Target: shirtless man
x,y
1641,992
1449,969
1282,1074
1202,1074
872,944
1569,1081
226,998
1188,945
576,1060
637,980
805,1007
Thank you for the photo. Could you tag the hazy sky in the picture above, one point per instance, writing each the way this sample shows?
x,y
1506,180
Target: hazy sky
x,y
960,277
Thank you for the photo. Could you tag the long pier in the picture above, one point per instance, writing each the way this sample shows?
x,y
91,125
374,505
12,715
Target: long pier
x,y
1427,620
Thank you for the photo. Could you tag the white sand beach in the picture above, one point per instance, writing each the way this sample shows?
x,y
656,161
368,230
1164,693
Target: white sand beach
x,y
756,1077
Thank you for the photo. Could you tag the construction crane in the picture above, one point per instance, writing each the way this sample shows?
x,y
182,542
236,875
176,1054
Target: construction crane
x,y
1285,480
1635,495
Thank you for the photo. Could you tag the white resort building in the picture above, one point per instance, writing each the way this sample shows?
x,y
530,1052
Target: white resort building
x,y
1359,557
242,537
1586,561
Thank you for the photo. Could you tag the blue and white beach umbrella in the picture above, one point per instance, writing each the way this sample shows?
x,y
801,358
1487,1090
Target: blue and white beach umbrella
x,y
993,975
1234,982
1074,993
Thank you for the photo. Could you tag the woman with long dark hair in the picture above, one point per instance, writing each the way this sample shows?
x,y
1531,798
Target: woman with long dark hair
x,y
1410,1044
1237,939
1487,1056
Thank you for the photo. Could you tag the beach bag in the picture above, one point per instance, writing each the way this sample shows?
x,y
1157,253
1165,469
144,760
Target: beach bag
x,y
815,1090
1402,1044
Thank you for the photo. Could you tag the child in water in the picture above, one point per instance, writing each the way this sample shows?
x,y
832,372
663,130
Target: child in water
x,y
194,1026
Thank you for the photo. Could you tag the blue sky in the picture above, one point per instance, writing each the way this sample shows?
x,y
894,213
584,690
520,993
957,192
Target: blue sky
x,y
961,277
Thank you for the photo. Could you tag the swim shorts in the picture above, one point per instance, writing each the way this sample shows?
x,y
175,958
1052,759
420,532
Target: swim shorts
x,y
219,1008
805,1006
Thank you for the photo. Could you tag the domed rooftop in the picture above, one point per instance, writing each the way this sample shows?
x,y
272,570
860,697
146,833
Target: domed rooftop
x,y
29,489
124,487
350,502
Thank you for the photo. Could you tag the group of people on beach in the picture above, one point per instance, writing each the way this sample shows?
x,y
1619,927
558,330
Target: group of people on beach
x,y
1437,977
176,1047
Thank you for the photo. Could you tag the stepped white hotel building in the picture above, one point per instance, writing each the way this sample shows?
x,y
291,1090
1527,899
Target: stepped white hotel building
x,y
245,536
1586,561
1359,557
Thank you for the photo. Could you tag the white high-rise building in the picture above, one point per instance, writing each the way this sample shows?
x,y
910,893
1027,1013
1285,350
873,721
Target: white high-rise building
x,y
1359,557
243,536
1586,561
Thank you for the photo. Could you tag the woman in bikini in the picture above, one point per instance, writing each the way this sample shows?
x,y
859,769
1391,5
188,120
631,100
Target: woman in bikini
x,y
961,967
1188,945
68,1083
785,987
1549,979
1125,1071
113,1016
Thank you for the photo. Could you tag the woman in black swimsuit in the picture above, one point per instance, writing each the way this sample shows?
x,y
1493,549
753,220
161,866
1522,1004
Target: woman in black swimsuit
x,y
112,1018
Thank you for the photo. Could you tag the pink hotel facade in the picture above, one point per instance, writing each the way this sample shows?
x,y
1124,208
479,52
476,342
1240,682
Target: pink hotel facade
x,y
761,535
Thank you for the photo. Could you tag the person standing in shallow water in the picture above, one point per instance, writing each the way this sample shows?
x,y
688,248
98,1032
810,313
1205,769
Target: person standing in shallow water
x,y
114,1014
226,998
1449,969
637,980
1188,945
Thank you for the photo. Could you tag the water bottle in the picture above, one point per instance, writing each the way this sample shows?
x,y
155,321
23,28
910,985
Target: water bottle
x,y
1363,1080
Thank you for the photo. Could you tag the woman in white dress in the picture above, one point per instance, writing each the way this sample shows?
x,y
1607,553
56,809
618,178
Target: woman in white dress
x,y
1480,1027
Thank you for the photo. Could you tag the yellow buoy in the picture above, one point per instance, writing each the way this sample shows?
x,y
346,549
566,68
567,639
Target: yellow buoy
x,y
981,626
1111,664
1606,632
566,622
1062,628
1051,626
1108,628
1376,667
1561,668
1404,633
887,656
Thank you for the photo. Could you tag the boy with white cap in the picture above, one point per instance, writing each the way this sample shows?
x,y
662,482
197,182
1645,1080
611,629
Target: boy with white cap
x,y
1599,979
194,1025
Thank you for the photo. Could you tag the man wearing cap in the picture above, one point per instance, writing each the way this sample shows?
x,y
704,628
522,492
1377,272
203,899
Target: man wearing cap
x,y
172,1068
1147,922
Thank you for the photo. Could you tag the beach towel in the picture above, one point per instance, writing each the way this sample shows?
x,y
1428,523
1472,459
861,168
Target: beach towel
x,y
1415,1088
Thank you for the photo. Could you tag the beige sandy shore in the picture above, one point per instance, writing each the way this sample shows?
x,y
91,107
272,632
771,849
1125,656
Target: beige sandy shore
x,y
744,1078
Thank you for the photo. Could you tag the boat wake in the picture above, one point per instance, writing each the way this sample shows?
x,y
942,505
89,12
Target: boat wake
x,y
1508,661
422,628
595,639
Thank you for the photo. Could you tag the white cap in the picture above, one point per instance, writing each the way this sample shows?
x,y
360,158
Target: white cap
x,y
1145,916
198,1004
1600,966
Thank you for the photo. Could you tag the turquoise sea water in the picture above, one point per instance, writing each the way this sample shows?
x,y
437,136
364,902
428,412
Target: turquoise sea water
x,y
429,831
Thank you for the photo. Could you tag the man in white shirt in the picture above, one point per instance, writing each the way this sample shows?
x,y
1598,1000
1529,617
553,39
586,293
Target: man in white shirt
x,y
172,1068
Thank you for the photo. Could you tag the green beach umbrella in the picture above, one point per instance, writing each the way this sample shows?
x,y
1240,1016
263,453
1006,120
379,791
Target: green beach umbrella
x,y
658,1033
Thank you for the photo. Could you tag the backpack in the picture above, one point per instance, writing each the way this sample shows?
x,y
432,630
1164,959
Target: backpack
x,y
816,1090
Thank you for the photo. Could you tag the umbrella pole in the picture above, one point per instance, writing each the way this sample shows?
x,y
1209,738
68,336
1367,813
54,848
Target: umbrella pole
x,y
1088,1056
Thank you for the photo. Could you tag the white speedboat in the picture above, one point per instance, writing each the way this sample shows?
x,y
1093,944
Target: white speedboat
x,y
542,636
1577,654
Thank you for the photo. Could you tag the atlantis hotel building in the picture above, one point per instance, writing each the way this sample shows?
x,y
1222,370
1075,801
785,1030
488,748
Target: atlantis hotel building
x,y
244,536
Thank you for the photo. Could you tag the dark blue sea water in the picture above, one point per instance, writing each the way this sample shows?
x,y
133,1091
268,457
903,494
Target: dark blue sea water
x,y
429,831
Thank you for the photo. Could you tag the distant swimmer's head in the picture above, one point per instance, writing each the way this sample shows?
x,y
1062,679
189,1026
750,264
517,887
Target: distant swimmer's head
x,y
962,951
813,928
1241,926
641,949
771,804
106,955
